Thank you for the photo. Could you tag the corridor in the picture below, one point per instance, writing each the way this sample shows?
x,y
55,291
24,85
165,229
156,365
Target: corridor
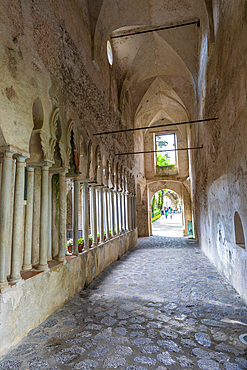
x,y
161,306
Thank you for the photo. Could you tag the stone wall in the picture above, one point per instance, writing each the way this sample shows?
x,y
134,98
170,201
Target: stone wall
x,y
27,304
220,169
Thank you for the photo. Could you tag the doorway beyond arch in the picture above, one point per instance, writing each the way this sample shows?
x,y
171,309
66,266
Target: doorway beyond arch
x,y
185,200
166,214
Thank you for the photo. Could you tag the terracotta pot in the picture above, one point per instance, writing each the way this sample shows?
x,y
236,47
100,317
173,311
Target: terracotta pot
x,y
80,247
70,248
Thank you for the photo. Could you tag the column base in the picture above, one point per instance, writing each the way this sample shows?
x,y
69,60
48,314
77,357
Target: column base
x,y
14,279
3,286
42,267
27,267
75,253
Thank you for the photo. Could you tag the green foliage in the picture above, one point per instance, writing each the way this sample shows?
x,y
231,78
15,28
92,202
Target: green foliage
x,y
80,241
162,159
153,203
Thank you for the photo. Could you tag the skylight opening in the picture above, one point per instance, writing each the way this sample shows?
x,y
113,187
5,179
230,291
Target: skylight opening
x,y
165,142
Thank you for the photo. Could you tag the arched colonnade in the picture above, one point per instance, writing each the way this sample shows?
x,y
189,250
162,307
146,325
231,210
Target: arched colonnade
x,y
36,185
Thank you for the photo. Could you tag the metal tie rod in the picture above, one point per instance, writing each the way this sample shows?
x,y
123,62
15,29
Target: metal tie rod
x,y
163,150
148,127
157,29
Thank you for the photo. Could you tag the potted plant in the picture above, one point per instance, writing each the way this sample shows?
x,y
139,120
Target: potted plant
x,y
80,244
69,246
90,237
98,237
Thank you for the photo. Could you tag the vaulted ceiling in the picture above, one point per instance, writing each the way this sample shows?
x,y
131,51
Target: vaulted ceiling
x,y
156,72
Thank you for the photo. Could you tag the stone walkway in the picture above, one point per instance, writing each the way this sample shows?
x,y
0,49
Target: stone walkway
x,y
161,306
168,227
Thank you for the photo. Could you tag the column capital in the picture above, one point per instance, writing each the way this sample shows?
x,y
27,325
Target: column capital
x,y
45,167
30,169
8,154
92,184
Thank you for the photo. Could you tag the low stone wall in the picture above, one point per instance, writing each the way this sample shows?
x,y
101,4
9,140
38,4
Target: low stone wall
x,y
27,304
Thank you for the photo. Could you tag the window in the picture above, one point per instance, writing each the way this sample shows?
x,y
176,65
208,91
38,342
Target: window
x,y
109,53
165,142
239,232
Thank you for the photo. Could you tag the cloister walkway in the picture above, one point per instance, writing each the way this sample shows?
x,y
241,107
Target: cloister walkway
x,y
172,226
161,306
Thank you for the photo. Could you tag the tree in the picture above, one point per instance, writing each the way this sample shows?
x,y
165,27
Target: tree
x,y
162,159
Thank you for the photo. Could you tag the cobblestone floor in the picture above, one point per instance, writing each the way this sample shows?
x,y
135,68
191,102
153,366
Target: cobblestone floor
x,y
161,306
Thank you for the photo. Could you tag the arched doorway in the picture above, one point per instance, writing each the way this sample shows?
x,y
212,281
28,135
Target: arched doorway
x,y
166,211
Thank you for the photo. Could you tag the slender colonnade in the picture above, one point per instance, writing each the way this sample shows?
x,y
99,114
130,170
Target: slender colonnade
x,y
28,226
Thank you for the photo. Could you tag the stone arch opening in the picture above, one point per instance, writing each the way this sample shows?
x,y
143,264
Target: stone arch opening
x,y
166,207
35,144
38,114
239,231
58,134
98,165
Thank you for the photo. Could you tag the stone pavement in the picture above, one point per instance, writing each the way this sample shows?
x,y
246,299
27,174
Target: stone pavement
x,y
161,306
168,227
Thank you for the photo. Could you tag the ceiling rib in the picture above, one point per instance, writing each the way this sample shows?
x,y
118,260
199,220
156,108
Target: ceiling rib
x,y
156,29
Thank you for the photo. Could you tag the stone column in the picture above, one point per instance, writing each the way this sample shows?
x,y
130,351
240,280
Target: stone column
x,y
36,216
44,219
126,211
49,251
75,217
117,212
85,214
134,212
62,215
101,213
112,210
120,212
17,234
5,201
130,211
27,262
94,215
105,190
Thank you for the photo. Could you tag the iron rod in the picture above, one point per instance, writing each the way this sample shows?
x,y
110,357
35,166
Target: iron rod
x,y
157,29
163,150
148,127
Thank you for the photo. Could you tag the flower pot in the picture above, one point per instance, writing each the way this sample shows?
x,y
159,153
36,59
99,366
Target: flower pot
x,y
70,248
80,247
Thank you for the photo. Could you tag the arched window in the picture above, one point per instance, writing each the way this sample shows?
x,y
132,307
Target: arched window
x,y
239,232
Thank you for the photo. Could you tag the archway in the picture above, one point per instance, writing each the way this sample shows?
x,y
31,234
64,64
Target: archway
x,y
166,211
